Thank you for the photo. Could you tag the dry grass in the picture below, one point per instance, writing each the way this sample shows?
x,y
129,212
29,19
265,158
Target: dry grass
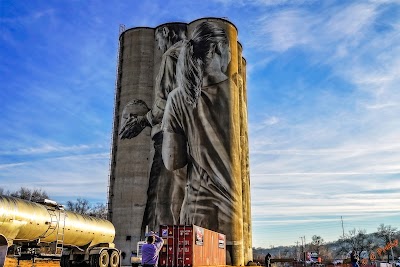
x,y
11,262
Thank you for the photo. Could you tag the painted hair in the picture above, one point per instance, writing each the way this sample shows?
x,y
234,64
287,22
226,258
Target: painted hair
x,y
137,103
192,58
176,32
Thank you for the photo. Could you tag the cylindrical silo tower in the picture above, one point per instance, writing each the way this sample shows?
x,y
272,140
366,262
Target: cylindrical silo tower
x,y
129,170
180,139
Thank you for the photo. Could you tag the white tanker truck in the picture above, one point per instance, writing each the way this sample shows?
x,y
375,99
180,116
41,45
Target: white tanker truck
x,y
46,230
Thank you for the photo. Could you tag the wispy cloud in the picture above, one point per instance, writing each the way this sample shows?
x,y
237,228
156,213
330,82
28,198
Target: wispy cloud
x,y
66,177
46,149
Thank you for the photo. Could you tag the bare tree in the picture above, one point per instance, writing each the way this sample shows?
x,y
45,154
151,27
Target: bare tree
x,y
386,233
83,206
33,195
356,240
3,192
316,243
99,210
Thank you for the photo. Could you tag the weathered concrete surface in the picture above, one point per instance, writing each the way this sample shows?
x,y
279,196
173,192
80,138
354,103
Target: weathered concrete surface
x,y
130,160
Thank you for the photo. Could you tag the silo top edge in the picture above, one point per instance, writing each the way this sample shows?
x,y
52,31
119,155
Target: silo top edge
x,y
168,23
216,18
135,28
240,45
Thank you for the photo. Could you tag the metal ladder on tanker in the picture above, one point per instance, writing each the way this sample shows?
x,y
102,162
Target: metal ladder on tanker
x,y
57,224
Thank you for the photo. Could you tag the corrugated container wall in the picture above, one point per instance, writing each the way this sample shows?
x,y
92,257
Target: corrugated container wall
x,y
191,246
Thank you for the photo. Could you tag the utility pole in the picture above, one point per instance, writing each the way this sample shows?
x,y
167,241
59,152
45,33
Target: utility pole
x,y
297,250
302,244
302,250
342,225
391,247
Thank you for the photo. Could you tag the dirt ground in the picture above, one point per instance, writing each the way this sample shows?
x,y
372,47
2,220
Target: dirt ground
x,y
11,262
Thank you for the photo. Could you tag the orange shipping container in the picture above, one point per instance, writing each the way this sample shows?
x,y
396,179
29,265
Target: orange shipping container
x,y
191,246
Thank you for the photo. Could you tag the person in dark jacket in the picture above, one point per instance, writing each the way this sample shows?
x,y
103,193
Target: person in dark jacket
x,y
268,260
354,259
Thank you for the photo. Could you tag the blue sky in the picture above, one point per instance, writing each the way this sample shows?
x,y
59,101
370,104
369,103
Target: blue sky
x,y
323,104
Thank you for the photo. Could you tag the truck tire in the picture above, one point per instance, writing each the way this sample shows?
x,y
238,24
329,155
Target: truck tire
x,y
64,261
100,260
93,260
114,259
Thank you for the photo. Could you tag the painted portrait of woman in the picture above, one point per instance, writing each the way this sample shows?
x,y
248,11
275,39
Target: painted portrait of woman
x,y
196,128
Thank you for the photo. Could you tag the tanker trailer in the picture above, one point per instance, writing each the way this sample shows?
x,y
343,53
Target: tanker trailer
x,y
46,230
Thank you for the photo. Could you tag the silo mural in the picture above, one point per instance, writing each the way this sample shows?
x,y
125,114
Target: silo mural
x,y
180,145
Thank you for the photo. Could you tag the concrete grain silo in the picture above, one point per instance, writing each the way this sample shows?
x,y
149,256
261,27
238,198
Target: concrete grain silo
x,y
180,135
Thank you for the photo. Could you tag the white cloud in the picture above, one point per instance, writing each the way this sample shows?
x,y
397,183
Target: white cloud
x,y
271,120
66,177
47,148
283,30
11,165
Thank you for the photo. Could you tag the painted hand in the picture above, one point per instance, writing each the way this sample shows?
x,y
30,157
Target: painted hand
x,y
133,126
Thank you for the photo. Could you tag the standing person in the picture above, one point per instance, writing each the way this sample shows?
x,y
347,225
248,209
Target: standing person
x,y
170,39
354,259
151,250
268,260
166,188
196,128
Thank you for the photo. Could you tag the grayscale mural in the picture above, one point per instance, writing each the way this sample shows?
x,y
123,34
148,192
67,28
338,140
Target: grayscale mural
x,y
165,192
180,149
197,131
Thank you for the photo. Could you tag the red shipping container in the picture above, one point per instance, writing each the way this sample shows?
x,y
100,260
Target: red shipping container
x,y
166,231
185,242
184,231
184,262
169,241
184,250
164,249
165,260
192,246
170,250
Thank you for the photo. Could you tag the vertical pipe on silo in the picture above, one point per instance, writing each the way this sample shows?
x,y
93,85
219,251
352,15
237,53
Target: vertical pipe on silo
x,y
244,145
250,229
237,218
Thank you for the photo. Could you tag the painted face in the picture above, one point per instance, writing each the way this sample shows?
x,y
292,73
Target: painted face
x,y
225,56
162,42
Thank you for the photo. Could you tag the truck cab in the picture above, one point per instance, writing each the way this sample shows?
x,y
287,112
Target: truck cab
x,y
136,258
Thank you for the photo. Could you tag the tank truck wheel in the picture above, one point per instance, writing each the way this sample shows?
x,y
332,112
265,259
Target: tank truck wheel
x,y
114,259
64,262
93,259
104,259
